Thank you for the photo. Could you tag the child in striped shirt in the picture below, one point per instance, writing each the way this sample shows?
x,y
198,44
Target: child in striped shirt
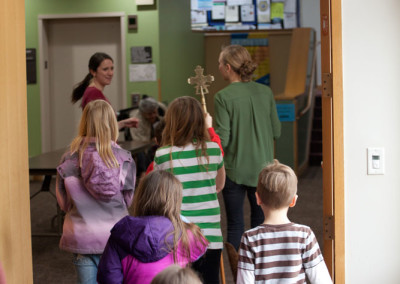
x,y
187,152
279,251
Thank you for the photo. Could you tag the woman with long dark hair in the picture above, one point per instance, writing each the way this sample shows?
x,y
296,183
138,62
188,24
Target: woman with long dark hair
x,y
101,72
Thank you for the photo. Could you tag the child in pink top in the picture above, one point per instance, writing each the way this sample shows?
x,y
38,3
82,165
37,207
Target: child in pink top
x,y
154,238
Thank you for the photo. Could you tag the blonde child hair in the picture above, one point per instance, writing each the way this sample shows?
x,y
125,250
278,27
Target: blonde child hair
x,y
277,185
175,274
99,125
160,194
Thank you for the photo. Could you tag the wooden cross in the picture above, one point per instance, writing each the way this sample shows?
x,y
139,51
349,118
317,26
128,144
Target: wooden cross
x,y
201,84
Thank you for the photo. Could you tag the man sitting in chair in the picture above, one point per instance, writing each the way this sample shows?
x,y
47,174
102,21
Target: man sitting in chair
x,y
149,112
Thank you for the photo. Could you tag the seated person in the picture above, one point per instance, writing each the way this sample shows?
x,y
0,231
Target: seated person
x,y
148,114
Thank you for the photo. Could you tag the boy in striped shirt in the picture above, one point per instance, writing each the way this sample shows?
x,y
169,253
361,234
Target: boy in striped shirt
x,y
279,251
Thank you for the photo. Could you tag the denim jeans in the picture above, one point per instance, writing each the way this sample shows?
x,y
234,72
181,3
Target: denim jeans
x,y
86,267
208,265
234,195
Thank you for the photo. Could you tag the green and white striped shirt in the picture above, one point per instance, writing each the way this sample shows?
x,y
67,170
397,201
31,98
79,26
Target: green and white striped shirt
x,y
200,202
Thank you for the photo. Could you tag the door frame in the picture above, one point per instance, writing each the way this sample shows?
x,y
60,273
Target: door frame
x,y
332,141
44,75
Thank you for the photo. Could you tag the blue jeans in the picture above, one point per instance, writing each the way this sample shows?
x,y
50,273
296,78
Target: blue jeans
x,y
234,195
86,267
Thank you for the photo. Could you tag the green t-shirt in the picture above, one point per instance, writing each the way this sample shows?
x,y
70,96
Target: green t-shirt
x,y
247,123
197,174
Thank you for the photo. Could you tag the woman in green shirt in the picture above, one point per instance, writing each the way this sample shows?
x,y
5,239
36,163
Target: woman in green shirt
x,y
247,123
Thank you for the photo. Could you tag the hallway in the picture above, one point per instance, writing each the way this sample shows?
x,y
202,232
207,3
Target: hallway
x,y
51,265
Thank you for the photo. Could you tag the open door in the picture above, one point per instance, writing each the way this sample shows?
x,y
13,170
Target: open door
x,y
332,138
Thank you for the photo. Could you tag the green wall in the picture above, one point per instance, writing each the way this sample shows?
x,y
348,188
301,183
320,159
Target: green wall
x,y
182,50
164,26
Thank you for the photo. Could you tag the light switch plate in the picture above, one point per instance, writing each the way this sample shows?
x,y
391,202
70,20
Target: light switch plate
x,y
376,161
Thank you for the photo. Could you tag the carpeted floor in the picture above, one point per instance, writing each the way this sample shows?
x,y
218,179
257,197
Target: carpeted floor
x,y
51,265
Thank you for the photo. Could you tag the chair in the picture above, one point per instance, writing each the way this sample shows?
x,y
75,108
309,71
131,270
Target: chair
x,y
233,257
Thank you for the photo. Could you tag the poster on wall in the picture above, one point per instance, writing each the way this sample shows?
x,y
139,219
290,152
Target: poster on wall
x,y
219,15
141,54
144,2
142,72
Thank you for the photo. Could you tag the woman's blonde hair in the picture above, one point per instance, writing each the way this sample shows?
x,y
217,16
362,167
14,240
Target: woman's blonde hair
x,y
184,124
240,60
99,125
174,274
160,194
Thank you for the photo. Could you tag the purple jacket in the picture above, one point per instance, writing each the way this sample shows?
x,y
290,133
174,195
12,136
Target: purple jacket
x,y
94,198
139,248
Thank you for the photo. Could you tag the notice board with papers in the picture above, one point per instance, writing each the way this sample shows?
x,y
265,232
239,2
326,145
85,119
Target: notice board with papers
x,y
219,15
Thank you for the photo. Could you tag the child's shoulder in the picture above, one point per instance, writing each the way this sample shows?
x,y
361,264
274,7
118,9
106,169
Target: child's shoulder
x,y
267,230
212,144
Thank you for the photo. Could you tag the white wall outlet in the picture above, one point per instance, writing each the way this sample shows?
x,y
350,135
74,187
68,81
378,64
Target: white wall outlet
x,y
376,161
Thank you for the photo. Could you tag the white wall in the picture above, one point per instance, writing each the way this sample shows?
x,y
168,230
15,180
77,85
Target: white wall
x,y
309,17
371,71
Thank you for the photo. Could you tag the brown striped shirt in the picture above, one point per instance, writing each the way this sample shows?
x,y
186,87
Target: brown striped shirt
x,y
279,253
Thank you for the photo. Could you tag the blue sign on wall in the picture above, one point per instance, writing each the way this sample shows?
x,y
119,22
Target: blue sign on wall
x,y
286,112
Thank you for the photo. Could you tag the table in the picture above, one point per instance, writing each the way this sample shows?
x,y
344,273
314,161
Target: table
x,y
46,164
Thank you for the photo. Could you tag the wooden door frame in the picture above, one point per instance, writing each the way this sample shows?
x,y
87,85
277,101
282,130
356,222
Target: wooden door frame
x,y
332,130
44,55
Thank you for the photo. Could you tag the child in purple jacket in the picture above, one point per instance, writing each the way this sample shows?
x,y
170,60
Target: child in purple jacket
x,y
154,238
95,184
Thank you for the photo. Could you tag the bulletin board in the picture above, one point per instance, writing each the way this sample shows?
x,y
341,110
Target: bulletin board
x,y
217,15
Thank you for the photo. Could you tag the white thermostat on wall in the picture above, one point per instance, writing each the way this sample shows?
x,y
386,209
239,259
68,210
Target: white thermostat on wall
x,y
376,161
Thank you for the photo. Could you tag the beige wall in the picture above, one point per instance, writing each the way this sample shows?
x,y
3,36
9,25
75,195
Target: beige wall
x,y
15,239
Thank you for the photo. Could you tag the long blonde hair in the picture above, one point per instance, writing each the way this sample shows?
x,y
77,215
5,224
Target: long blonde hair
x,y
184,124
99,125
160,194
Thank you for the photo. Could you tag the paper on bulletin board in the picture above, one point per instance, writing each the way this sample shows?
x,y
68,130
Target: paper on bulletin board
x,y
232,14
202,5
218,11
247,13
290,20
198,17
142,72
290,6
263,11
239,2
277,10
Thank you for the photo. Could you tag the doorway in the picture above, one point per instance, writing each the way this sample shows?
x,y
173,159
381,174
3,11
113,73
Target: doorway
x,y
66,44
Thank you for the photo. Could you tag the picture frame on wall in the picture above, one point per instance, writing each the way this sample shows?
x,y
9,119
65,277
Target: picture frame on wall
x,y
144,2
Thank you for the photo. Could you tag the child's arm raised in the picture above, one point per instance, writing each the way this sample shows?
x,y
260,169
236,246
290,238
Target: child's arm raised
x,y
213,135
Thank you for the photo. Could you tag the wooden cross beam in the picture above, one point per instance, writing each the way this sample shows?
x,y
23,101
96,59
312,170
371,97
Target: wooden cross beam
x,y
200,81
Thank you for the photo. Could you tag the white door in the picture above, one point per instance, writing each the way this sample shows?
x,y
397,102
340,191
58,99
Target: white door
x,y
71,42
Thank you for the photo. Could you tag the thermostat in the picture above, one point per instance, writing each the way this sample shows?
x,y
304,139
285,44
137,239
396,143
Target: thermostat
x,y
376,161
